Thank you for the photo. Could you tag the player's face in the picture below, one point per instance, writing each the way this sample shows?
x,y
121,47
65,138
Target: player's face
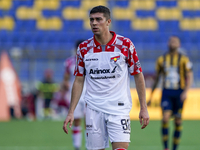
x,y
174,43
98,23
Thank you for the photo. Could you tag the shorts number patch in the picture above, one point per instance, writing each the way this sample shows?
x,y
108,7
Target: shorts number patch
x,y
125,124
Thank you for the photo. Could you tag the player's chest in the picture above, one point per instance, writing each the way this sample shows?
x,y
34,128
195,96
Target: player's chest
x,y
105,61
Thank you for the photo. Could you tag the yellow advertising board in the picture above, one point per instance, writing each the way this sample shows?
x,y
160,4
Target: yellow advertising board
x,y
191,108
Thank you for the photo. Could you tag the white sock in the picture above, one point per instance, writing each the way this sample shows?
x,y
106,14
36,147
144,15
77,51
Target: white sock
x,y
77,136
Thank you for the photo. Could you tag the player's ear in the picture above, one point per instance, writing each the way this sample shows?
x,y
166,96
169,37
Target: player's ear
x,y
108,22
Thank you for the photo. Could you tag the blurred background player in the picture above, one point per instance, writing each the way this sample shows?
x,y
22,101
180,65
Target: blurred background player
x,y
46,90
79,111
60,103
176,69
28,105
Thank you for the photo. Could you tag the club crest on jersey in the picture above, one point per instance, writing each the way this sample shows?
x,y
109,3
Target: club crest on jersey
x,y
115,58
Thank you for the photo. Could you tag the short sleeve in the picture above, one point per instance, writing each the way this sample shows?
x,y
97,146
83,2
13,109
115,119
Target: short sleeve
x,y
79,66
133,61
159,66
188,64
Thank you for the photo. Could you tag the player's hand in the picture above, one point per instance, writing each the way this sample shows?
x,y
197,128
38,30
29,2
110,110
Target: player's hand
x,y
69,119
183,96
144,118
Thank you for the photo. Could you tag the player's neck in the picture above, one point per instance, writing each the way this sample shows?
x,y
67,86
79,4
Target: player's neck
x,y
104,38
173,52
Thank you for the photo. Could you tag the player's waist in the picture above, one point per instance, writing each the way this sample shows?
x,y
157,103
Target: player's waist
x,y
109,109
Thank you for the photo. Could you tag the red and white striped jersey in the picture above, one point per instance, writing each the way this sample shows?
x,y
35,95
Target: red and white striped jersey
x,y
107,69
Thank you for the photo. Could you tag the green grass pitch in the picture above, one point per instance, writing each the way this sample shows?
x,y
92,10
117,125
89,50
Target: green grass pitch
x,y
48,135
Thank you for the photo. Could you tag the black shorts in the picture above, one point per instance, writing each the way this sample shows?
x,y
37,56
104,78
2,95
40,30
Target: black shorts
x,y
47,103
171,101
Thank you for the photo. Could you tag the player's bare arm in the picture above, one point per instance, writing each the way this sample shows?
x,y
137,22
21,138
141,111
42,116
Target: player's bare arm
x,y
140,87
189,81
66,81
76,94
66,76
153,88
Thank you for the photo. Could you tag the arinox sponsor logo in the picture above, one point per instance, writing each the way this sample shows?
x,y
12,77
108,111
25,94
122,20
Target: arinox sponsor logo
x,y
102,71
99,71
92,59
88,126
113,71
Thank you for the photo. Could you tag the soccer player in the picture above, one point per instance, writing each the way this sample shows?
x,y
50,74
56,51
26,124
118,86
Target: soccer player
x,y
105,63
176,70
47,88
60,103
80,108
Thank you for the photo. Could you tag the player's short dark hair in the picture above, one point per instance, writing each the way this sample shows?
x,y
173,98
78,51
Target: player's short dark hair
x,y
101,9
175,36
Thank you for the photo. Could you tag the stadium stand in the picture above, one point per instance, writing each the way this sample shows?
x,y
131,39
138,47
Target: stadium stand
x,y
168,13
122,13
142,5
88,4
189,5
7,23
51,27
5,4
71,13
144,24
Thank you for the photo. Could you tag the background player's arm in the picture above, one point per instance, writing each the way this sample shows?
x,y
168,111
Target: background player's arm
x,y
66,80
76,94
159,70
66,76
140,87
189,80
155,84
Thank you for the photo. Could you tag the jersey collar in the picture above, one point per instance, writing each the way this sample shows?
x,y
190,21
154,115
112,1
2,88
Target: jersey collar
x,y
109,43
